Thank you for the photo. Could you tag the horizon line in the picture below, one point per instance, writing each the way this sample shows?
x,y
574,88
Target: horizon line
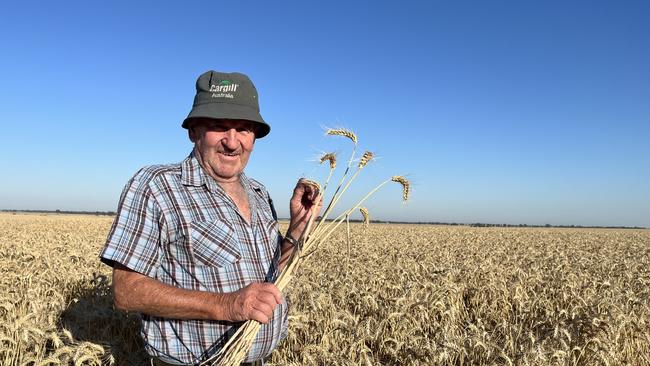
x,y
414,222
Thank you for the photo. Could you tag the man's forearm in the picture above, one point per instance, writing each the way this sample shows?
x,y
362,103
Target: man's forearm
x,y
286,250
136,292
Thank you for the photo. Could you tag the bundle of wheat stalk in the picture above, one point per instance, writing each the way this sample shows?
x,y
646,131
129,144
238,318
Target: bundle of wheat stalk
x,y
315,233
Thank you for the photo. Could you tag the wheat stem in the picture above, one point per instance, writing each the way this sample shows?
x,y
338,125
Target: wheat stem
x,y
330,205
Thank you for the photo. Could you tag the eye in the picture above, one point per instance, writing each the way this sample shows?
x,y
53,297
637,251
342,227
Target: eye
x,y
217,127
245,129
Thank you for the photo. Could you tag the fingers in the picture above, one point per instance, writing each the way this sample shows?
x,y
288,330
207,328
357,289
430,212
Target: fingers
x,y
274,291
304,196
269,294
268,297
305,190
310,190
305,204
260,316
256,301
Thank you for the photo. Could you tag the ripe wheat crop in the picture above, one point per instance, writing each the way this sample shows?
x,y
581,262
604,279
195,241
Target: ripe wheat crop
x,y
408,295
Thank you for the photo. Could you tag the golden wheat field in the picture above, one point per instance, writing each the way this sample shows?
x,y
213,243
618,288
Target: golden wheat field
x,y
404,295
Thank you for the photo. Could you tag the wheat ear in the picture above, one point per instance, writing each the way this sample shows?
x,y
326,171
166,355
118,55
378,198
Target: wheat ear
x,y
349,134
366,215
339,219
365,158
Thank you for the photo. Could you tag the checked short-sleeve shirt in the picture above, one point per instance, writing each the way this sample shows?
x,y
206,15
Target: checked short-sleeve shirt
x,y
176,225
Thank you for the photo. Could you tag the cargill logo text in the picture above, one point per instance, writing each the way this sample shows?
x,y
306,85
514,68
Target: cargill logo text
x,y
223,88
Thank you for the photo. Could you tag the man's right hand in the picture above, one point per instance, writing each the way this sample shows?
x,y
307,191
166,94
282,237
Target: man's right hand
x,y
255,301
134,291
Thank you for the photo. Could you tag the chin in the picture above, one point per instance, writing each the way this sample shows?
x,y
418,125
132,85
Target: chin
x,y
229,174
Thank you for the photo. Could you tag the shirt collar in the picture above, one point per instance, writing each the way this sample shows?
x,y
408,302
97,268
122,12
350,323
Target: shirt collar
x,y
191,172
249,184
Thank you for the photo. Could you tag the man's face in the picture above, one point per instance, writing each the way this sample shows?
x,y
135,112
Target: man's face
x,y
223,146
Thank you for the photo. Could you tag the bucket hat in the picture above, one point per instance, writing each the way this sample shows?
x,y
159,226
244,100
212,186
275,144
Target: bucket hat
x,y
222,95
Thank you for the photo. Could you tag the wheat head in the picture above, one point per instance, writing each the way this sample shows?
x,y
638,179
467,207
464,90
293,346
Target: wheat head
x,y
331,157
405,186
365,158
341,132
365,214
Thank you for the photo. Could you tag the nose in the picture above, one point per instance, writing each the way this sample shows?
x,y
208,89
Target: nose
x,y
230,140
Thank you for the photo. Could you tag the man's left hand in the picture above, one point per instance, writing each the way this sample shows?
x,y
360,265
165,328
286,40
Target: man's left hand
x,y
302,207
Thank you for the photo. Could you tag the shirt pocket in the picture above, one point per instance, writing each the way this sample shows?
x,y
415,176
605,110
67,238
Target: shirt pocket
x,y
214,243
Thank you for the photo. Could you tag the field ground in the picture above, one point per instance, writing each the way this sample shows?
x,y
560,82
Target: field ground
x,y
408,295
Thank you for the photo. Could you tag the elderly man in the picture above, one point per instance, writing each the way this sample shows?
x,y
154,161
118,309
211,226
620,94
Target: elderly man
x,y
195,246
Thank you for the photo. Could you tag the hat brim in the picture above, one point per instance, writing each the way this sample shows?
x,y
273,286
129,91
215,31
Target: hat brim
x,y
229,111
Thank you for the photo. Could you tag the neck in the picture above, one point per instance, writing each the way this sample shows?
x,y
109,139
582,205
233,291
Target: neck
x,y
229,186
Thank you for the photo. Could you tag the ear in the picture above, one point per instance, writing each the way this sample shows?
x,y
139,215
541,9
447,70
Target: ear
x,y
255,128
191,133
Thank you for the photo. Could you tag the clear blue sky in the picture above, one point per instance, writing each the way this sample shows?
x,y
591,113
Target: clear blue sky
x,y
500,112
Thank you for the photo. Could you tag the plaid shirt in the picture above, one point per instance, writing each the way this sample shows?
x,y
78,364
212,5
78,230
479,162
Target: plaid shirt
x,y
175,224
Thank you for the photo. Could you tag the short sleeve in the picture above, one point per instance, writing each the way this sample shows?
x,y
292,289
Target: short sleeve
x,y
134,238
